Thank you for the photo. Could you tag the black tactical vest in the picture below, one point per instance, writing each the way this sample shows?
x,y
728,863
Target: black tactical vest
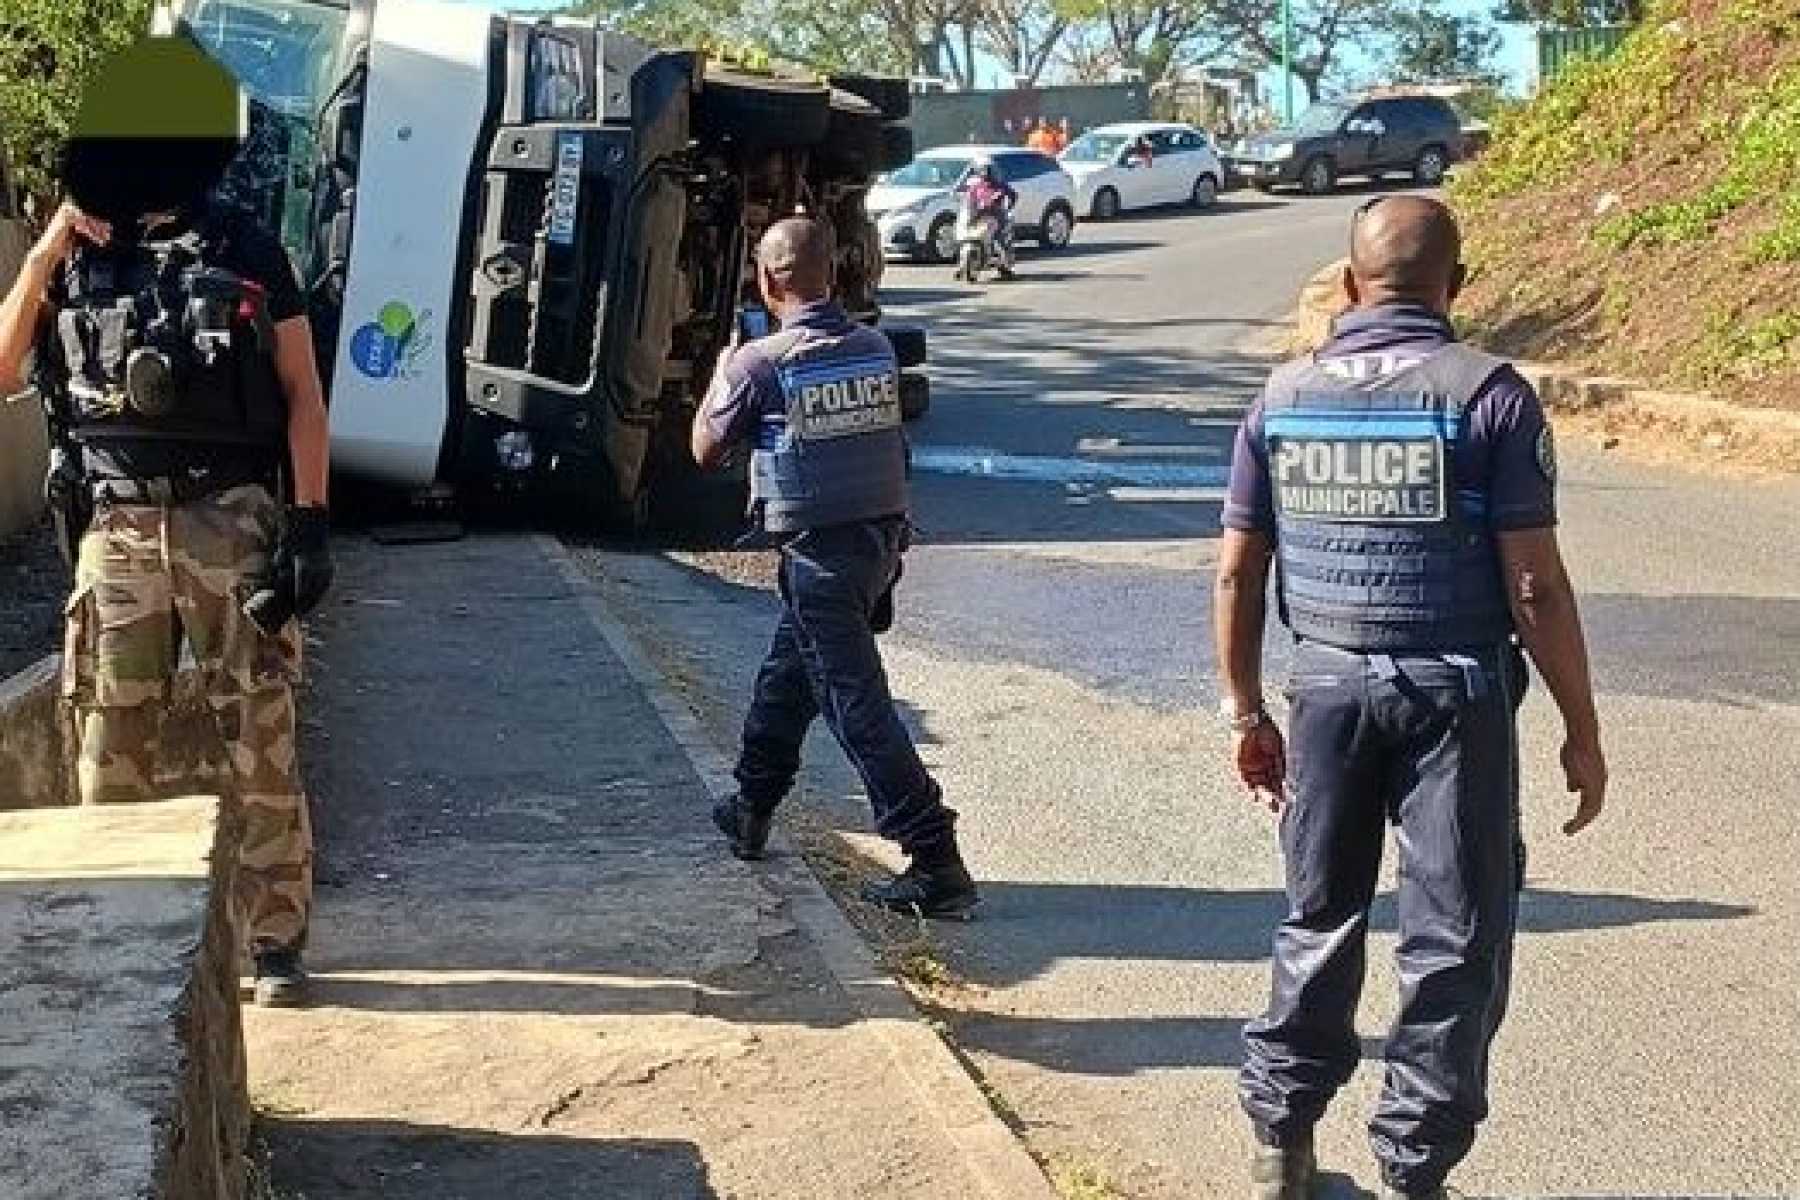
x,y
152,343
1379,546
837,453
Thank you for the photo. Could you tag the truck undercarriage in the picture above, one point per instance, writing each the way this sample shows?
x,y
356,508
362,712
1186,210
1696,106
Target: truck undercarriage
x,y
526,241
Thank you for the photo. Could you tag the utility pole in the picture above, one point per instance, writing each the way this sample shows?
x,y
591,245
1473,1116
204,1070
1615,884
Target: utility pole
x,y
1287,59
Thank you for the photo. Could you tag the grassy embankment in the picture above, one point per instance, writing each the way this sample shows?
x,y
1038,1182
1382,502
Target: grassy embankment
x,y
1642,215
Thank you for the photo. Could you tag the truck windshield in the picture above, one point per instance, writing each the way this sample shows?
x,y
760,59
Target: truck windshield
x,y
288,54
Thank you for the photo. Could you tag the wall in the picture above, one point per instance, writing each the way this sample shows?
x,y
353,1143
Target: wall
x,y
24,444
946,118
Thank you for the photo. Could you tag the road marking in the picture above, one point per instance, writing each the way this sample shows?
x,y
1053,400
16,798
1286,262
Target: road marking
x,y
1166,495
1112,447
1049,468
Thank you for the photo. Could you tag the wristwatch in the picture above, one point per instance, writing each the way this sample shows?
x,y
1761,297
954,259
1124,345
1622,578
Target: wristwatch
x,y
1242,722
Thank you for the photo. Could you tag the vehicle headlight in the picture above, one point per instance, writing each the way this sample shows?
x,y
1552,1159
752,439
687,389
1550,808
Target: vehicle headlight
x,y
1279,152
908,210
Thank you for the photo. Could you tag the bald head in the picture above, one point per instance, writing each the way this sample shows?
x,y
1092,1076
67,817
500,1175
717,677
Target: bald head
x,y
795,258
1405,248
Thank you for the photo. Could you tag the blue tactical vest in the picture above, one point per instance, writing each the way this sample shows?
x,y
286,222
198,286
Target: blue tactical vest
x,y
835,454
1377,546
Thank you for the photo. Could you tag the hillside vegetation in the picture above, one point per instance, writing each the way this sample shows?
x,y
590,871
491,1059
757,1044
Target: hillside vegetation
x,y
1642,215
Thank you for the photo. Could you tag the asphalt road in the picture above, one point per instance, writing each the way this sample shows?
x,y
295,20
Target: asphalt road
x,y
1054,653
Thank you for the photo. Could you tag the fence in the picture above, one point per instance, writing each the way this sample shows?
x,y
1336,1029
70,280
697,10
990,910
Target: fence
x,y
1557,48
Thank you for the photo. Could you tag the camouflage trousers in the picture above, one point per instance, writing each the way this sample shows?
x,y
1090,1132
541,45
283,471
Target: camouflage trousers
x,y
151,582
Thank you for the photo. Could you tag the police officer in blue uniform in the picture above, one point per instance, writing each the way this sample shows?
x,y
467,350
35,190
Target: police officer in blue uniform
x,y
1404,486
819,403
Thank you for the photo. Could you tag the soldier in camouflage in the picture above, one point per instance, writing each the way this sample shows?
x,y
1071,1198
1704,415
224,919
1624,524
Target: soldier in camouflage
x,y
177,367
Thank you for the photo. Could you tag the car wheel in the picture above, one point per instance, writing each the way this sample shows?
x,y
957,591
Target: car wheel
x,y
1205,193
940,243
1059,226
1319,177
1106,204
1430,168
771,111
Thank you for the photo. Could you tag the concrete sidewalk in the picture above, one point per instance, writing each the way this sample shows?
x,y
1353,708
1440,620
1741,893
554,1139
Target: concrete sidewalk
x,y
537,973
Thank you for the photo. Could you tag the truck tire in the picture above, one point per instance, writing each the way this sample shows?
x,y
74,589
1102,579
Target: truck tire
x,y
909,344
892,96
915,396
855,139
897,147
772,111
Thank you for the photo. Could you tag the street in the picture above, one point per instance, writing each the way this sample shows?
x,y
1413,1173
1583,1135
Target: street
x,y
1053,651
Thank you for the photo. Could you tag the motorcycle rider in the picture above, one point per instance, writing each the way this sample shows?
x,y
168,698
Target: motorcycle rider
x,y
988,195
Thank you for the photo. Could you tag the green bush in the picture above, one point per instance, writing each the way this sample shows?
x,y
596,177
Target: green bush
x,y
48,50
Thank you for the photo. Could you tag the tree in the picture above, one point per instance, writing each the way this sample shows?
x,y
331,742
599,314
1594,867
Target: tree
x,y
49,49
1322,31
828,37
1022,34
1430,44
1156,37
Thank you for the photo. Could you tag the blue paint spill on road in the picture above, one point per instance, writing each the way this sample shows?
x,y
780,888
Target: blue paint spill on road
x,y
1048,468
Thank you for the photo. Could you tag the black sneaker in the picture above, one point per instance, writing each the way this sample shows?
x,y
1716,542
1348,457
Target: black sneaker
x,y
944,890
280,979
745,829
1283,1172
1440,1192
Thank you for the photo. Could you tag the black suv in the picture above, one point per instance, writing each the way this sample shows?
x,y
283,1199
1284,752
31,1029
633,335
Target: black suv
x,y
1420,136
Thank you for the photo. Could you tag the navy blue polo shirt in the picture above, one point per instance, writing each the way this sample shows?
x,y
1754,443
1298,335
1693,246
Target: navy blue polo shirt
x,y
1506,449
745,402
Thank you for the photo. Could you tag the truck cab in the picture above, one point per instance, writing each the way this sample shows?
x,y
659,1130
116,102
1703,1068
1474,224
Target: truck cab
x,y
525,240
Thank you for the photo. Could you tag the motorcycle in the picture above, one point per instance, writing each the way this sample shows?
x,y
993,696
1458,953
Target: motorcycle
x,y
980,243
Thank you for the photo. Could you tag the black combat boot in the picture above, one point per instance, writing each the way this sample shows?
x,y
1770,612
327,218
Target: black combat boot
x,y
280,979
936,884
746,829
1283,1172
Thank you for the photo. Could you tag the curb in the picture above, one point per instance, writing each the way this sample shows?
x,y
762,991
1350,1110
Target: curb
x,y
34,772
941,1085
1767,437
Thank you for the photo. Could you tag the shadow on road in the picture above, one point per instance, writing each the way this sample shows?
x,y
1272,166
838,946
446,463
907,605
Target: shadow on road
x,y
392,1160
1027,927
1113,1046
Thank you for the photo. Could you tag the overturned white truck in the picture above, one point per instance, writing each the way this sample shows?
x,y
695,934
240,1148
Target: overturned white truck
x,y
525,240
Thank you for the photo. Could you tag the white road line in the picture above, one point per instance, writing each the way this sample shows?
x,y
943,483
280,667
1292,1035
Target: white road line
x,y
1048,468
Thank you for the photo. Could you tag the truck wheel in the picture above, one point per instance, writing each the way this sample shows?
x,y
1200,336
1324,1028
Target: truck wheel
x,y
855,139
909,344
1429,170
885,92
772,111
897,147
915,396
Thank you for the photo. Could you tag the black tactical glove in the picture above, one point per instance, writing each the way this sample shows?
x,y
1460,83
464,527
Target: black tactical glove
x,y
70,505
299,572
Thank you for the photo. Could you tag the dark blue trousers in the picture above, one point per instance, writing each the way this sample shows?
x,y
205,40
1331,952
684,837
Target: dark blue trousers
x,y
824,663
1429,744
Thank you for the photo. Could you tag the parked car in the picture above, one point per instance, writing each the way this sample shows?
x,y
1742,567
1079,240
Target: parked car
x,y
1420,136
1111,175
915,207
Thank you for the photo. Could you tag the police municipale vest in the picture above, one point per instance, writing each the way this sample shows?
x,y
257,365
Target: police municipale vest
x,y
836,453
1378,548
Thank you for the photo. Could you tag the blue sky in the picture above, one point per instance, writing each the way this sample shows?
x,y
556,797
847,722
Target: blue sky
x,y
1517,58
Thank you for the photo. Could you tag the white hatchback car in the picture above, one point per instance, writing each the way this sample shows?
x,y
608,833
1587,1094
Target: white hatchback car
x,y
1113,174
915,207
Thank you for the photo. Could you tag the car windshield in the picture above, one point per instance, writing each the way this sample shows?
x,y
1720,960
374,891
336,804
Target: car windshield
x,y
288,56
937,171
1321,118
1095,147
